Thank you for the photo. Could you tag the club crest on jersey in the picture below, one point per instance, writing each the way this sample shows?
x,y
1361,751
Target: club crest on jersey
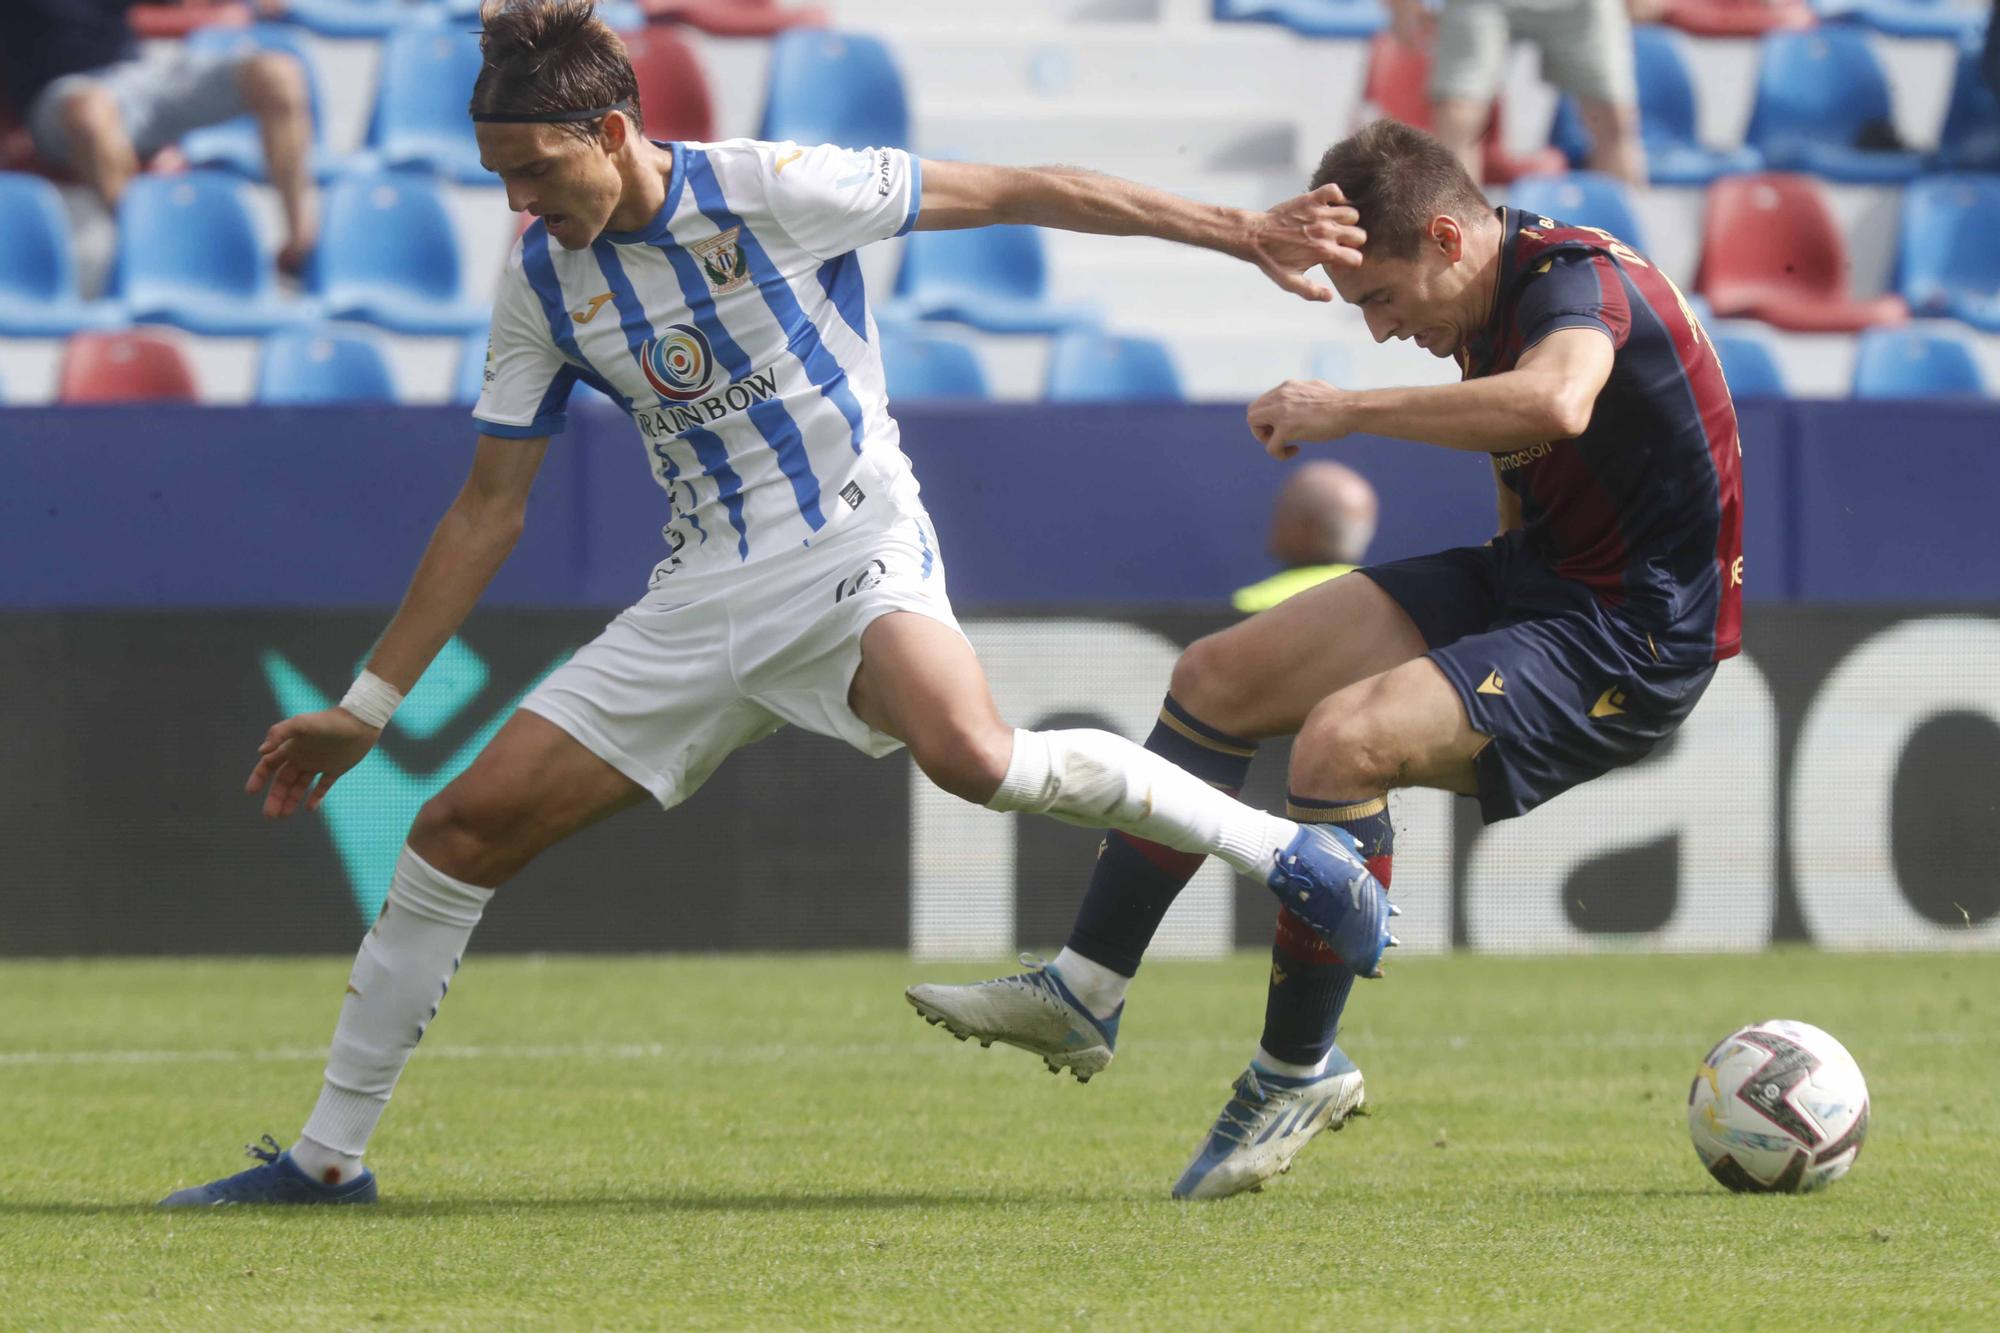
x,y
679,363
722,261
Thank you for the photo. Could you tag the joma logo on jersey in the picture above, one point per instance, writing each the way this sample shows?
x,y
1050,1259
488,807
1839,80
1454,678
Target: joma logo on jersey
x,y
680,418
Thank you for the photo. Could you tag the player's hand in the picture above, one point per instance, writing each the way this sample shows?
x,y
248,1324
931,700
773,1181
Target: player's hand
x,y
1297,410
1302,234
302,757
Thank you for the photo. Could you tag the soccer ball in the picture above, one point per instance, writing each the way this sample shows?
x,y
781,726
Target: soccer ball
x,y
1778,1107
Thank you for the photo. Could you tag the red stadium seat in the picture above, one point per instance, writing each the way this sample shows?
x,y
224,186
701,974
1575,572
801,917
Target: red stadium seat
x,y
129,366
1399,78
1771,251
156,20
1738,18
673,90
734,18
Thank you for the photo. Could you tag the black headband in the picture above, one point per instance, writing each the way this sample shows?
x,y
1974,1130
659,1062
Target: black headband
x,y
545,117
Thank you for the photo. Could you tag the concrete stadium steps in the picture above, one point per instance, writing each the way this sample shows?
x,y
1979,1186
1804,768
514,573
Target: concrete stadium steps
x,y
1193,135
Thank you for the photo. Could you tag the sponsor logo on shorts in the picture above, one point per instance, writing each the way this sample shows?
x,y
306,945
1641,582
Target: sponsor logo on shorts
x,y
1492,684
870,575
1611,703
853,494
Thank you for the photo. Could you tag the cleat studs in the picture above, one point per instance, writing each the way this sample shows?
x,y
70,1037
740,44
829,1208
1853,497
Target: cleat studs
x,y
1395,943
986,1042
1395,910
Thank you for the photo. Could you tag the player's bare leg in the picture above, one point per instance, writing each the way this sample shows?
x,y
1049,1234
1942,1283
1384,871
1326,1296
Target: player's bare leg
x,y
1263,677
1615,146
529,789
1460,124
1402,727
100,147
274,88
1406,727
920,682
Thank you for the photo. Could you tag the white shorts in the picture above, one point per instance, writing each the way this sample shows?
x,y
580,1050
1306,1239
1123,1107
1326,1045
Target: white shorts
x,y
710,661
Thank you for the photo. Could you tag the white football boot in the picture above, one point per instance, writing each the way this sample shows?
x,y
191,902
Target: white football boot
x,y
1268,1118
1033,1010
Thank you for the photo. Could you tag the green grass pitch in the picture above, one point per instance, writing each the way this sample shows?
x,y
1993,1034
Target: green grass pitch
x,y
768,1143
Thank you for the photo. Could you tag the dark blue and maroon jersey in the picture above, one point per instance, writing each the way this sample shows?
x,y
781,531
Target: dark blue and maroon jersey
x,y
1645,507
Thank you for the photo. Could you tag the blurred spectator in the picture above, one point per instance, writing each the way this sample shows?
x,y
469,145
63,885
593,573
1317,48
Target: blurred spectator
x,y
1586,50
1320,529
98,107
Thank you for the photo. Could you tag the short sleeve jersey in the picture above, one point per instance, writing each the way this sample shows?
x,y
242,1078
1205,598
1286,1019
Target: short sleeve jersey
x,y
734,330
1645,507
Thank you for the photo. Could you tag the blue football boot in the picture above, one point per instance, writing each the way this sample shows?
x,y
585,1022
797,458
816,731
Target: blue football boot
x,y
1033,1010
276,1179
1267,1119
1320,875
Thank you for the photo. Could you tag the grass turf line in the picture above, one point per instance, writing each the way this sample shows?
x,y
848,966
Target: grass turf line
x,y
757,1142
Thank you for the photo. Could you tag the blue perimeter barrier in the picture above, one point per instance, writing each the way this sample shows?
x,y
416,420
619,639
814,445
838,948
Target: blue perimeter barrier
x,y
1127,505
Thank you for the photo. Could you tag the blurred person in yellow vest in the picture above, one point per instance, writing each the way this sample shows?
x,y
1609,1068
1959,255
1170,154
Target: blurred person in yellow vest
x,y
1321,525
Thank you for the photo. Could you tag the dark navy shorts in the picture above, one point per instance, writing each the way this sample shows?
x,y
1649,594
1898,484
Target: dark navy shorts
x,y
1566,690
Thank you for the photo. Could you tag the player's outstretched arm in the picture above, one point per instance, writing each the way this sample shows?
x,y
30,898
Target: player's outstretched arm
x,y
1285,242
303,756
1548,396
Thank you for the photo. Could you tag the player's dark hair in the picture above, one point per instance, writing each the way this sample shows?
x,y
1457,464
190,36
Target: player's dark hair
x,y
546,57
1398,178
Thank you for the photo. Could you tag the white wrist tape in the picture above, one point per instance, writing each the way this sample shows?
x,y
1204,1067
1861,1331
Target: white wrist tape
x,y
372,699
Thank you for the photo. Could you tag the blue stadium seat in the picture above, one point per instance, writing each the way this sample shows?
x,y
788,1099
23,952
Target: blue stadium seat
x,y
1907,18
1915,363
189,255
324,364
1583,199
354,18
1970,140
235,145
993,278
834,87
924,365
388,254
1946,260
425,84
1667,118
1309,18
1749,366
1823,107
38,287
1088,365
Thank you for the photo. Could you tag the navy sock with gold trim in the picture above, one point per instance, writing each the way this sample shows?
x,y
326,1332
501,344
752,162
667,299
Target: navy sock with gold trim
x,y
1135,881
1309,983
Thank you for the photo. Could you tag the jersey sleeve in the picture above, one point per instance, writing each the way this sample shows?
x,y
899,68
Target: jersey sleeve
x,y
832,200
1573,290
525,391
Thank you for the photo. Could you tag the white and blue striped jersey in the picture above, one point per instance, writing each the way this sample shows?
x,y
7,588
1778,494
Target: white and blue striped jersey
x,y
734,330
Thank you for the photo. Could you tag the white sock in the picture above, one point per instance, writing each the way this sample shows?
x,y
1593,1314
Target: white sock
x,y
1100,989
400,976
1097,780
1271,1064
